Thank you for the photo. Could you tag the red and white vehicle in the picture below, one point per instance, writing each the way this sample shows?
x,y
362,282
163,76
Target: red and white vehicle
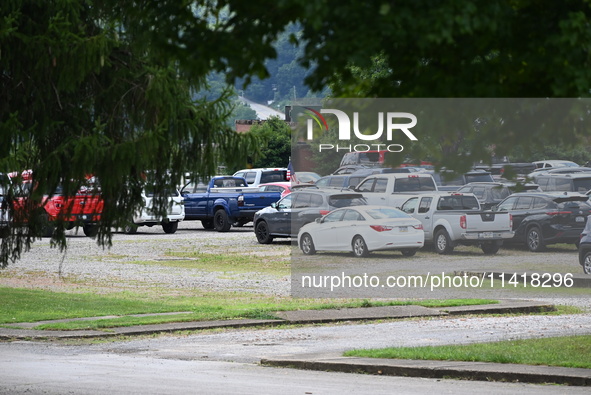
x,y
83,209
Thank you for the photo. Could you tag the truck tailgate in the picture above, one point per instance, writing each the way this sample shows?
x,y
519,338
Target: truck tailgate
x,y
487,221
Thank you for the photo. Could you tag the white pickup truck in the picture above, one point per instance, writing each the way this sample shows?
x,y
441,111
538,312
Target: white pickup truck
x,y
451,218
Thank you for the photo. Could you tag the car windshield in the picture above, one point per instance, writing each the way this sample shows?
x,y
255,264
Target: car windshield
x,y
339,201
383,213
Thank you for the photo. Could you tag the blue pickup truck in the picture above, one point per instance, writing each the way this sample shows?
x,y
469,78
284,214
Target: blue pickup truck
x,y
224,201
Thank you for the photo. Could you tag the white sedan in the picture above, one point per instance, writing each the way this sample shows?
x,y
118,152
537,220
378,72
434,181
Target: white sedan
x,y
362,229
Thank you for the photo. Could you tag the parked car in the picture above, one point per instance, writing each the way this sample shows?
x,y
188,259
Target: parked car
x,y
344,181
307,177
558,170
576,182
500,167
554,163
489,194
455,218
349,169
284,188
585,247
224,201
288,215
5,217
393,189
543,218
362,229
80,208
446,181
255,177
368,158
146,216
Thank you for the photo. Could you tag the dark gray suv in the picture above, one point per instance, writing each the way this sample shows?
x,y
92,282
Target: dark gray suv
x,y
285,217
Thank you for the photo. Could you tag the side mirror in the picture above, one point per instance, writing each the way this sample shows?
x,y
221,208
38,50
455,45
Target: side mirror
x,y
318,220
274,205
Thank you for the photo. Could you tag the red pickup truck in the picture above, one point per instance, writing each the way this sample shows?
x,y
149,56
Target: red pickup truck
x,y
83,209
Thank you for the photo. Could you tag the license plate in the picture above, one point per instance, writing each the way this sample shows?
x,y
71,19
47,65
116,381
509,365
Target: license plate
x,y
580,219
486,235
403,228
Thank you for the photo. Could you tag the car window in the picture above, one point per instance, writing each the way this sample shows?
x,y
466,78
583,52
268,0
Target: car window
x,y
543,183
581,185
366,186
562,185
301,201
250,177
499,192
316,200
323,182
339,201
540,203
274,176
273,188
352,215
285,202
410,205
336,182
458,202
507,204
335,216
354,181
380,185
524,203
386,212
425,205
465,189
414,184
479,192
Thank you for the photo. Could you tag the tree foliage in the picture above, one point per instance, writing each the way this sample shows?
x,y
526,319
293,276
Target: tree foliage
x,y
276,149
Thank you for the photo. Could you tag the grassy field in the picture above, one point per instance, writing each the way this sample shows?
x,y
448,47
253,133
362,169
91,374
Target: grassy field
x,y
571,351
27,305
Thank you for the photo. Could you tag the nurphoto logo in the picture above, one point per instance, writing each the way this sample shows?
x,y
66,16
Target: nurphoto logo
x,y
390,119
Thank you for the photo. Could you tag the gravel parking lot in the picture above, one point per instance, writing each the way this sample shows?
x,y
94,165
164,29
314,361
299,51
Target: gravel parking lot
x,y
147,260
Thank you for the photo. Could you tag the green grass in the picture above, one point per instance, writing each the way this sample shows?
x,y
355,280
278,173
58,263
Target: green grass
x,y
571,351
26,305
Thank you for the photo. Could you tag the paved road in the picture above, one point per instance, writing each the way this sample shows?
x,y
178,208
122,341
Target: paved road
x,y
27,368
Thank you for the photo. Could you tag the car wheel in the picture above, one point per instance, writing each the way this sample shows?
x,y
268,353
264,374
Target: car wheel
x,y
359,247
587,263
170,227
490,248
409,252
207,223
221,222
307,244
262,233
534,239
130,228
443,243
90,230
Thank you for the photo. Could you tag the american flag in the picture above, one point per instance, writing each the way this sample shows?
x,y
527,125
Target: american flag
x,y
291,175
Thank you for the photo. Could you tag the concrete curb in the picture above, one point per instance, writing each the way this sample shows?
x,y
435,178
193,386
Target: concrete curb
x,y
285,317
479,371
